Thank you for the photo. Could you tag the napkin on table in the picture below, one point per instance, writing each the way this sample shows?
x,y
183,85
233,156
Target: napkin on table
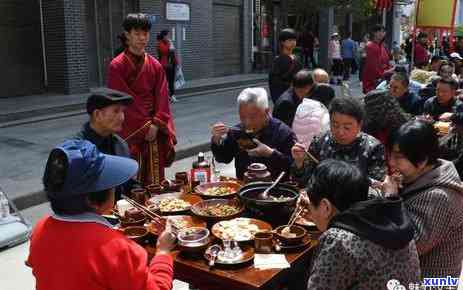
x,y
270,261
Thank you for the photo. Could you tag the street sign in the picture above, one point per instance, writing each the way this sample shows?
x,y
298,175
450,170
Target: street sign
x,y
177,11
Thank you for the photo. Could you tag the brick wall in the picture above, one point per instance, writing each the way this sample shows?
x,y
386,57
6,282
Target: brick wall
x,y
66,46
196,51
76,47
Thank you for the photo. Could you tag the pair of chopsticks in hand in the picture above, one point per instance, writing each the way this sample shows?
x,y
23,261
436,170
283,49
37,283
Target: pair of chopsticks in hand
x,y
154,216
297,211
315,160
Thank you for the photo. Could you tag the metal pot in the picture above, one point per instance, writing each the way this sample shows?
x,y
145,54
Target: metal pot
x,y
274,211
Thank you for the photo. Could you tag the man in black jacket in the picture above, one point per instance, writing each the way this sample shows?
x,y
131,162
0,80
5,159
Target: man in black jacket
x,y
286,106
106,110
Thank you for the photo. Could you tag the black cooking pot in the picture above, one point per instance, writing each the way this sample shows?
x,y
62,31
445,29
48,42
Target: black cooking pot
x,y
275,210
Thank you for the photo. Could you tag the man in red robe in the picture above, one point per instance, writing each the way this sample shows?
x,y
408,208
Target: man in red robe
x,y
377,60
148,127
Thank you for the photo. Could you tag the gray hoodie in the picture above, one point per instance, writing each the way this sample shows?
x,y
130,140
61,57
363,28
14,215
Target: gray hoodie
x,y
435,205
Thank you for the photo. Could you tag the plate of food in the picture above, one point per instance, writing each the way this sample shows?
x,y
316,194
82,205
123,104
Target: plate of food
x,y
180,222
239,229
169,205
218,209
222,189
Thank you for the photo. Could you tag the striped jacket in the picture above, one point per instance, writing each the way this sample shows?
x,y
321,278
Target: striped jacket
x,y
435,205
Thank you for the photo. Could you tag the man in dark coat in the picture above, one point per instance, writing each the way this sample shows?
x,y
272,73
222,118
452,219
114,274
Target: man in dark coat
x,y
106,110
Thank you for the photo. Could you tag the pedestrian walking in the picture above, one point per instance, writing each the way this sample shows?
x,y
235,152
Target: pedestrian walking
x,y
348,51
168,59
334,54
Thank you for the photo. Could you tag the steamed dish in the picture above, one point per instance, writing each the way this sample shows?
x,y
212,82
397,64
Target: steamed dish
x,y
239,229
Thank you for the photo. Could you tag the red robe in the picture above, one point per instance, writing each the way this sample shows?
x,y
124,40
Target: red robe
x,y
421,55
147,84
376,63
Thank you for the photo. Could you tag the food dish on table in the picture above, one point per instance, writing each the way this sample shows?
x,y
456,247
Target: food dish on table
x,y
220,210
173,204
219,191
180,222
239,229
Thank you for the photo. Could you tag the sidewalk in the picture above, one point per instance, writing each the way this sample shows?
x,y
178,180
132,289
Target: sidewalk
x,y
20,110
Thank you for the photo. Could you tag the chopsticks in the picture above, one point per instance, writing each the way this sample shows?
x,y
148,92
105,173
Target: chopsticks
x,y
152,215
311,157
308,154
296,213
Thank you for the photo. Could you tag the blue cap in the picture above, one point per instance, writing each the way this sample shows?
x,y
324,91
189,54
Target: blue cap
x,y
89,170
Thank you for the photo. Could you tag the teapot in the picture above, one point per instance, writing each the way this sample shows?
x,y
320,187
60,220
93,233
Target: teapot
x,y
257,172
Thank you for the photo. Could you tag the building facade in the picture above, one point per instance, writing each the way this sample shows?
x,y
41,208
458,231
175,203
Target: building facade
x,y
65,46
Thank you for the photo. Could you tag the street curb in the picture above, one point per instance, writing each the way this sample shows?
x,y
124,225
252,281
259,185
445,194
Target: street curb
x,y
76,109
37,114
38,197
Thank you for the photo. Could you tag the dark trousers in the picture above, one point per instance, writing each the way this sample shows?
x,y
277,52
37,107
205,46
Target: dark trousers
x,y
361,64
347,67
170,76
337,68
355,66
308,56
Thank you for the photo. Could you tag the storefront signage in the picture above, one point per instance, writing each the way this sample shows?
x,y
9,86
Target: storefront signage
x,y
177,11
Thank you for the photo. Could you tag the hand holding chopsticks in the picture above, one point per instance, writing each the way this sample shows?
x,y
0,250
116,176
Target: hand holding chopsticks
x,y
160,220
218,130
299,152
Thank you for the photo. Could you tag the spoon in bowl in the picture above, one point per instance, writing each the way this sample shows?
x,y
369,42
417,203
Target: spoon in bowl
x,y
264,194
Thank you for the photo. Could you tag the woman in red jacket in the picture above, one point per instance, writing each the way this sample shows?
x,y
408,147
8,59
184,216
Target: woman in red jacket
x,y
168,59
377,60
76,248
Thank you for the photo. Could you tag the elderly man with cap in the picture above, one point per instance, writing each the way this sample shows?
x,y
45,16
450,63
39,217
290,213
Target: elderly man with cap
x,y
106,110
76,248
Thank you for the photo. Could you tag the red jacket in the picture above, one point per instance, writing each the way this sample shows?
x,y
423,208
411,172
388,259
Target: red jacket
x,y
376,63
421,55
91,256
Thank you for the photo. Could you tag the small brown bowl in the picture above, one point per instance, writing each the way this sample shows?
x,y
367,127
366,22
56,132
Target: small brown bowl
x,y
132,222
136,233
299,232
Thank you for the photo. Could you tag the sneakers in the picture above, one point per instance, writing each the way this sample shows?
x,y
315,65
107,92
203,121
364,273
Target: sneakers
x,y
173,99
